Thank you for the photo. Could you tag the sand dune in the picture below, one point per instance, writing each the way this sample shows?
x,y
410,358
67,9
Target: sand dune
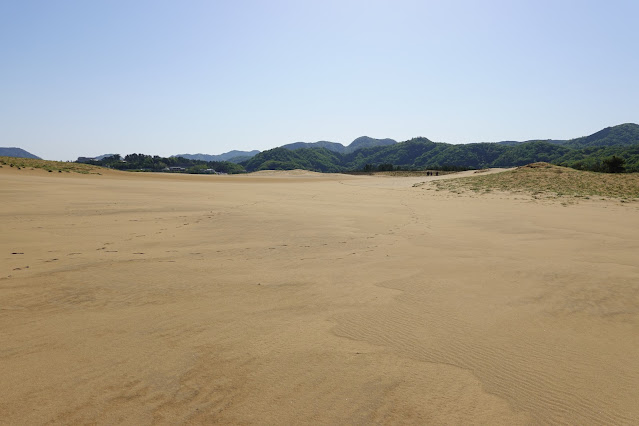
x,y
302,298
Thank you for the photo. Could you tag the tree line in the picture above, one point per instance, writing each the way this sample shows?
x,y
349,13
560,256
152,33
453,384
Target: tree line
x,y
421,154
154,163
611,150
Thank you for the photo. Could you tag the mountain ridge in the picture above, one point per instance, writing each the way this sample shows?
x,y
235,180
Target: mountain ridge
x,y
358,143
227,156
586,152
17,153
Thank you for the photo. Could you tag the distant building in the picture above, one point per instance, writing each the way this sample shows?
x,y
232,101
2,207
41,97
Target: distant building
x,y
177,169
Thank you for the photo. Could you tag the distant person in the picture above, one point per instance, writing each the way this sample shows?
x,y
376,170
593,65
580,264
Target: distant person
x,y
436,173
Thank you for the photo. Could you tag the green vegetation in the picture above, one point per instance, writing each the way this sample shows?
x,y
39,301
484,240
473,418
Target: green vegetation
x,y
594,153
314,159
416,154
595,158
132,162
50,166
141,162
359,143
546,180
611,150
621,135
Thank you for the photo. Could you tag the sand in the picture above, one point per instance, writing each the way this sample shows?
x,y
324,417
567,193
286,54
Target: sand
x,y
283,298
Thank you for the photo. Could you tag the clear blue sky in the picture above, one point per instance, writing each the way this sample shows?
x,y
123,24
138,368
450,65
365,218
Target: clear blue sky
x,y
83,78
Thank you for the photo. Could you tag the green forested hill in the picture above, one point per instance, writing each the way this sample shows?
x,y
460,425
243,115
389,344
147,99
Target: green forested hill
x,y
316,159
420,153
623,135
141,162
359,143
618,146
592,158
530,152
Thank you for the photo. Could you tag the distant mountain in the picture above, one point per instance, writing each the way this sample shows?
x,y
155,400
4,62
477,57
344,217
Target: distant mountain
x,y
364,153
508,143
103,156
18,153
361,142
155,163
98,158
622,135
241,158
331,146
552,141
316,159
232,156
367,142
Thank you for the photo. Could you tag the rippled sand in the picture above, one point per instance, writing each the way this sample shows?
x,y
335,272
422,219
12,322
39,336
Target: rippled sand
x,y
285,298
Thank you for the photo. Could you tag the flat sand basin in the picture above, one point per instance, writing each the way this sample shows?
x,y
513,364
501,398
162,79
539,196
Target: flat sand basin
x,y
282,298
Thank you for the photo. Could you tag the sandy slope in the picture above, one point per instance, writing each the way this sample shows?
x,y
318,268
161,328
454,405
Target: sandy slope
x,y
141,298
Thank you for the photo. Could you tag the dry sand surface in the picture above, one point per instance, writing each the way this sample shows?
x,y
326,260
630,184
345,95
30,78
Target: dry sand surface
x,y
283,298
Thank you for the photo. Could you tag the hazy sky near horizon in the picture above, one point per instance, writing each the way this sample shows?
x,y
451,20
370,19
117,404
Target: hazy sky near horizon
x,y
84,78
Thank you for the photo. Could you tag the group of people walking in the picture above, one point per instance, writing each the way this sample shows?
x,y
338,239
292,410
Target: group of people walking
x,y
431,173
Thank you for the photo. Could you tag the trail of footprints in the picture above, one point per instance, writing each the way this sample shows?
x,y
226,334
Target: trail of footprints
x,y
105,247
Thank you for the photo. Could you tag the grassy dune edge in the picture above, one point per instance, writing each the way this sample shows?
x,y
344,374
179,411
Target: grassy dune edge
x,y
51,166
544,180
